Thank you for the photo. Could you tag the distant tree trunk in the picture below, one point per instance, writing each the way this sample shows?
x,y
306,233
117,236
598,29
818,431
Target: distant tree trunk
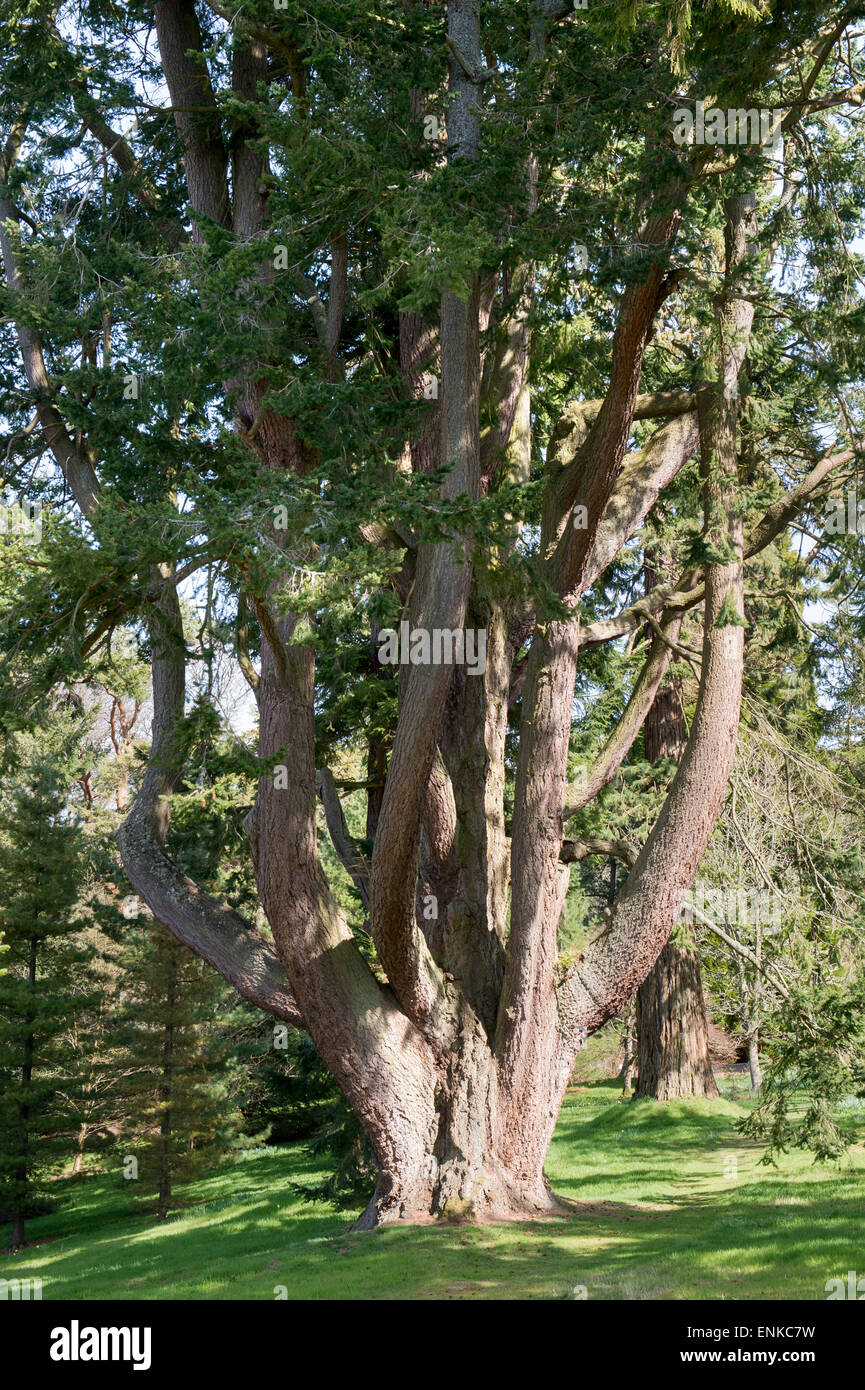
x,y
165,1095
629,1065
750,1016
79,1151
672,1032
673,1046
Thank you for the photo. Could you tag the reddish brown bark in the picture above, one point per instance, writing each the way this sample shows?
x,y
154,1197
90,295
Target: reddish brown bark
x,y
456,1065
673,1044
672,1051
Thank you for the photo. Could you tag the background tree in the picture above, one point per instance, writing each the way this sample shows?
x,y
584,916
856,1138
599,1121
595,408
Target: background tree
x,y
176,1071
46,983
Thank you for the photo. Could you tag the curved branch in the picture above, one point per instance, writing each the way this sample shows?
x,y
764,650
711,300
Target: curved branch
x,y
234,947
740,950
620,958
622,738
689,589
638,486
349,852
242,954
574,851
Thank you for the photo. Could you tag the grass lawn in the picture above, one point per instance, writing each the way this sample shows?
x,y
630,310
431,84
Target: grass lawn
x,y
671,1204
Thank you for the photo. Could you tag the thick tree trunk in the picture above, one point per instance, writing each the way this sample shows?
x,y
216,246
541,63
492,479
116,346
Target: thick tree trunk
x,y
672,1031
673,1047
454,1051
467,1174
457,1065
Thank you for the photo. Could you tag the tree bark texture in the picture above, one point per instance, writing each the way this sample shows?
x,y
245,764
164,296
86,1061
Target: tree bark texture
x,y
672,1055
455,1050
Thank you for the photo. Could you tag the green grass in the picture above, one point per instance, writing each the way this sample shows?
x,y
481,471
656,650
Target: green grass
x,y
661,1215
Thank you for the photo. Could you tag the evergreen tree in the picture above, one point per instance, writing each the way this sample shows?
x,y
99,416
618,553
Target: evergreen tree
x,y
177,1068
46,983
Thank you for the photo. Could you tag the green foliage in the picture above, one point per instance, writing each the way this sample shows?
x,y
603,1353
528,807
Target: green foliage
x,y
175,1063
728,614
818,1065
47,982
675,1223
122,297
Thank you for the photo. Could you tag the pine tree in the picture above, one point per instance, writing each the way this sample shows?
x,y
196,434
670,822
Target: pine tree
x,y
46,983
178,1064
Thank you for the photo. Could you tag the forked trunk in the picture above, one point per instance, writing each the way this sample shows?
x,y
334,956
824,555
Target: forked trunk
x,y
465,1176
455,1050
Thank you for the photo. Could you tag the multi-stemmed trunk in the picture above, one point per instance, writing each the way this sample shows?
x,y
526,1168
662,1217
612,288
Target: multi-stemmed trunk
x,y
455,1050
457,1066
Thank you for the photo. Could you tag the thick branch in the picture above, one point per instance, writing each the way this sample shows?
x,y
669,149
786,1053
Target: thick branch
x,y
618,960
441,589
619,744
242,954
196,113
638,487
573,851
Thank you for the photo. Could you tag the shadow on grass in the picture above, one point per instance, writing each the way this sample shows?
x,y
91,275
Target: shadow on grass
x,y
662,1212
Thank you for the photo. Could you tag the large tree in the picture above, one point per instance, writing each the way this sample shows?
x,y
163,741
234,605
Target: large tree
x,y
414,316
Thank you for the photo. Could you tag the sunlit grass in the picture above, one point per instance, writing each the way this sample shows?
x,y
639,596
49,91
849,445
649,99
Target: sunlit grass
x,y
671,1203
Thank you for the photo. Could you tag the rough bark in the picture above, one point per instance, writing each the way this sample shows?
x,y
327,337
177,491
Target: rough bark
x,y
455,1066
195,110
672,1031
243,955
673,1048
620,958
